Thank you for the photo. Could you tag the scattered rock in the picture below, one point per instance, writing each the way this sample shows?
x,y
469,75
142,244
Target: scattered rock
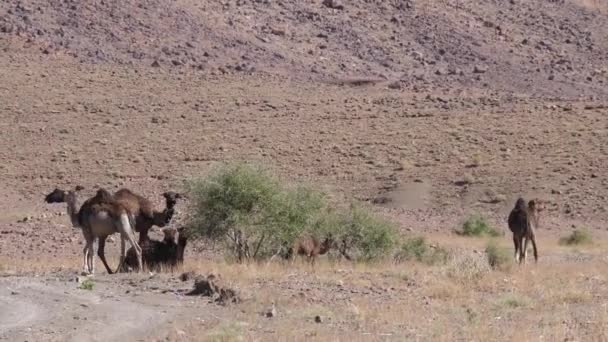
x,y
335,4
395,85
155,64
318,319
480,69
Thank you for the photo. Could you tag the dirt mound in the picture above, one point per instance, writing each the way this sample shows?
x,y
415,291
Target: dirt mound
x,y
544,48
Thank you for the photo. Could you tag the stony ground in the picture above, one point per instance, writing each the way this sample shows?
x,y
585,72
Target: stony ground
x,y
431,111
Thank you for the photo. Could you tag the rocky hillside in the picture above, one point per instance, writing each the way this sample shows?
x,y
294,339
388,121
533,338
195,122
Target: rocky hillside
x,y
538,48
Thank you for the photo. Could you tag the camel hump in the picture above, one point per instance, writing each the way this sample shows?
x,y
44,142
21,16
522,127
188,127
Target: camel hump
x,y
136,204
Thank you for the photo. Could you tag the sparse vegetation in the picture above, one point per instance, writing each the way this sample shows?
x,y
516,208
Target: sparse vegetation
x,y
419,250
477,225
87,284
499,258
466,267
513,301
227,332
259,217
577,237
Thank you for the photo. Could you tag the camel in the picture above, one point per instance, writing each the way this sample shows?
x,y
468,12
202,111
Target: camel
x,y
143,210
160,253
142,214
98,217
311,247
523,220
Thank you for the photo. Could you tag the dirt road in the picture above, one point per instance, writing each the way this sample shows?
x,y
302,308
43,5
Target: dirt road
x,y
55,309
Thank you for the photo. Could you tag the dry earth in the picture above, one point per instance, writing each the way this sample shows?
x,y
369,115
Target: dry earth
x,y
436,109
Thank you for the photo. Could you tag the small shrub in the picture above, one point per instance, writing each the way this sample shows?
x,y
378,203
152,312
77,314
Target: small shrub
x,y
87,284
365,235
417,249
499,258
577,237
477,226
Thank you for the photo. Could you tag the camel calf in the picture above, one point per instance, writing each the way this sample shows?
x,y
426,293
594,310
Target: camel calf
x,y
310,247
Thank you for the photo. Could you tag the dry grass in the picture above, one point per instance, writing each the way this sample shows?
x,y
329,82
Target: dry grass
x,y
560,297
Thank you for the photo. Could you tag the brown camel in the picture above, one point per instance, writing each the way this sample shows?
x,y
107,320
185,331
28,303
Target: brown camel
x,y
142,214
158,254
310,247
523,221
98,217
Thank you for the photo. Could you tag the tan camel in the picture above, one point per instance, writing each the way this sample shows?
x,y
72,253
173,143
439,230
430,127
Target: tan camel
x,y
98,217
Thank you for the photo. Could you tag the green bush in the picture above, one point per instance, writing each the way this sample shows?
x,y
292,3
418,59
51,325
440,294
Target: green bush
x,y
477,226
259,217
499,258
250,209
87,284
418,250
364,235
577,237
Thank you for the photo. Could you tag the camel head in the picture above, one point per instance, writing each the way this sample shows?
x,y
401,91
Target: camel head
x,y
61,196
520,204
171,198
56,196
169,234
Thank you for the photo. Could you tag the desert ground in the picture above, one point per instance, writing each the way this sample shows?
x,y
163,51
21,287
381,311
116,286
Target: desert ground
x,y
428,111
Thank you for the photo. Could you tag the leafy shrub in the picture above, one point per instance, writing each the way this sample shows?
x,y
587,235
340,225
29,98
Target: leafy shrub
x,y
499,258
250,209
259,217
477,226
417,249
577,237
364,235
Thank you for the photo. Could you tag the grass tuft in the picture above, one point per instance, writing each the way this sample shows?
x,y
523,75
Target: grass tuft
x,y
478,226
499,258
418,249
577,237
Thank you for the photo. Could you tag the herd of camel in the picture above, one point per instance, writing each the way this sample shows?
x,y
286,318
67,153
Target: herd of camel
x,y
126,212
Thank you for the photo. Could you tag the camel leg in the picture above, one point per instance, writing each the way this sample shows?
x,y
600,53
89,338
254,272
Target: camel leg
x,y
123,248
521,249
534,247
91,257
85,262
127,233
516,246
525,249
101,253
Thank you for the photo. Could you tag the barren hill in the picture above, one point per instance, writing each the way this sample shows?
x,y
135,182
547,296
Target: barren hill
x,y
538,48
